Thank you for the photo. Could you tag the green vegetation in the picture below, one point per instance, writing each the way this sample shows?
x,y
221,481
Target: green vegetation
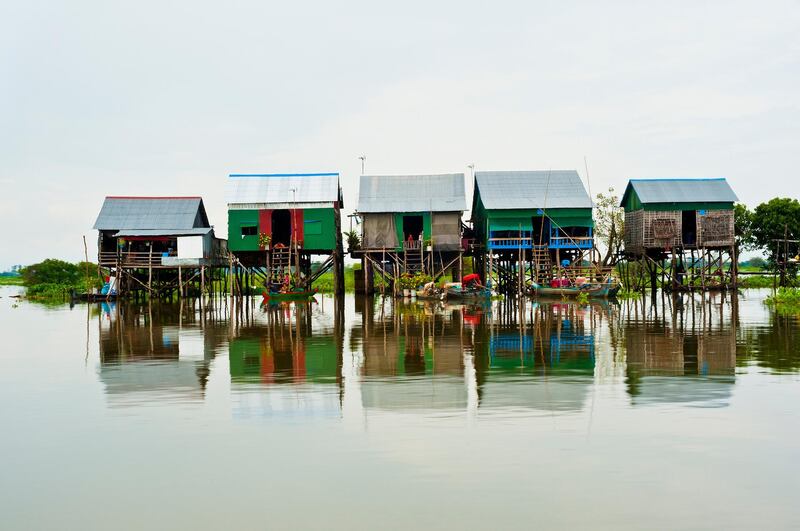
x,y
625,294
786,300
408,281
755,281
610,226
10,280
52,280
325,283
353,240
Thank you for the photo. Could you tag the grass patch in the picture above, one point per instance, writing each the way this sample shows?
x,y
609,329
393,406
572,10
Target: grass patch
x,y
10,280
325,283
755,281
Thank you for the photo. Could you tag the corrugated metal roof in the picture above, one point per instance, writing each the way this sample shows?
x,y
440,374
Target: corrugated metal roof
x,y
682,191
164,232
504,190
412,193
277,188
165,213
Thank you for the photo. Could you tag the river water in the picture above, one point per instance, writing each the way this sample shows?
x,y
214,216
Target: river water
x,y
376,414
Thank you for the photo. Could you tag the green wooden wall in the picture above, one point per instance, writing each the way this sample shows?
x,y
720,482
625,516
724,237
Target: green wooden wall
x,y
236,220
319,229
512,219
426,225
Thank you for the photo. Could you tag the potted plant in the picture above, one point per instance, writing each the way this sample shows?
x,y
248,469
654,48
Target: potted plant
x,y
428,244
406,282
353,240
264,240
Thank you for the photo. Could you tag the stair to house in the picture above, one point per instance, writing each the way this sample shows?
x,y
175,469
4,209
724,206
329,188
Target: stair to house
x,y
412,259
541,263
280,260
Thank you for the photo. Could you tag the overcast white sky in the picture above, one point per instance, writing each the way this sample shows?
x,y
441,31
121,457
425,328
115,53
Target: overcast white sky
x,y
167,98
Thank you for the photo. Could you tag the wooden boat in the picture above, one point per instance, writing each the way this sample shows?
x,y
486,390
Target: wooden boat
x,y
280,296
455,293
92,297
595,290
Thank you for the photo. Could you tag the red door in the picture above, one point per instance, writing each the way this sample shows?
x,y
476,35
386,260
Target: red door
x,y
265,222
297,224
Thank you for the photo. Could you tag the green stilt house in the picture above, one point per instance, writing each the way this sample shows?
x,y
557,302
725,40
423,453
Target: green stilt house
x,y
682,229
538,222
411,224
278,223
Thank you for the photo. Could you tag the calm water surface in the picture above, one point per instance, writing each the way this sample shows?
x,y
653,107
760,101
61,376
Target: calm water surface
x,y
371,414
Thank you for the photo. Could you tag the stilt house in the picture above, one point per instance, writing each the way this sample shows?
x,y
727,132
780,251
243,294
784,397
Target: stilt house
x,y
661,214
532,208
411,223
542,219
278,222
156,232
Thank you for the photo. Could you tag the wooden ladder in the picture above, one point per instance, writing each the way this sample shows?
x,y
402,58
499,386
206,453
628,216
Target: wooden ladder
x,y
280,261
541,263
412,260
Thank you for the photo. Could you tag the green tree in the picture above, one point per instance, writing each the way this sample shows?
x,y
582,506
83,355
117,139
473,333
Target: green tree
x,y
743,230
51,271
774,220
610,226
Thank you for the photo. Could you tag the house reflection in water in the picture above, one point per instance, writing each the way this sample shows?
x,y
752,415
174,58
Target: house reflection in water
x,y
413,357
683,352
154,353
282,366
541,359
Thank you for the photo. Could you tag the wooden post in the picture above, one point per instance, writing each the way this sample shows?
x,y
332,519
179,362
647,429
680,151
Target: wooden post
x,y
202,281
489,274
150,271
180,283
369,280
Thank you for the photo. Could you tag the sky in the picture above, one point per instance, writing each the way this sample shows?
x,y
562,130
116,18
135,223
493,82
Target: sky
x,y
167,98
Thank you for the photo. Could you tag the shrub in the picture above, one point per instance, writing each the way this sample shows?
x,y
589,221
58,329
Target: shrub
x,y
51,271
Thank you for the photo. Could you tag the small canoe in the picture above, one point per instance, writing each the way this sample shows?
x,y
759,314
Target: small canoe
x,y
93,297
279,296
594,290
458,294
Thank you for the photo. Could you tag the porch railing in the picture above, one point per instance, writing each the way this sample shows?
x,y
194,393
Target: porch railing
x,y
131,259
510,243
571,242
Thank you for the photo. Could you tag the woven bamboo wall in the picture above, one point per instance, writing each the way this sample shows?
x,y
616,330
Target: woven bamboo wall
x,y
715,228
634,231
662,229
648,230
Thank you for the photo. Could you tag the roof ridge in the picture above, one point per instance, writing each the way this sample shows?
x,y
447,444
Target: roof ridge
x,y
154,197
329,174
679,179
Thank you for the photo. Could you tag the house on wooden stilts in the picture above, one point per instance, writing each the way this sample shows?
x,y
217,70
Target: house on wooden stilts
x,y
410,224
159,245
681,233
532,226
279,223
